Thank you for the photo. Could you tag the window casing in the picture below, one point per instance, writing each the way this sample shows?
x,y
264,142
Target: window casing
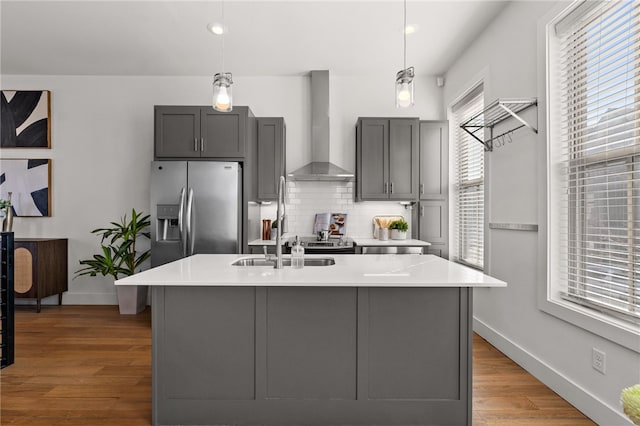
x,y
468,188
595,159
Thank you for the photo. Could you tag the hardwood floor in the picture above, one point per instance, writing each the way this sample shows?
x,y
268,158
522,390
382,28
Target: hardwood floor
x,y
88,365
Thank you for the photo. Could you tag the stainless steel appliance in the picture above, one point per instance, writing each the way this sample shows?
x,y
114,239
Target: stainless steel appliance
x,y
195,208
333,245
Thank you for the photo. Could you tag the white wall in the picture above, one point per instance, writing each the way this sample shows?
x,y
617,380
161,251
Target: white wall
x,y
558,353
102,143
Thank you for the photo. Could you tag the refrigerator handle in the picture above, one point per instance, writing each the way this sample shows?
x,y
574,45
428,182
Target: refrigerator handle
x,y
190,222
183,237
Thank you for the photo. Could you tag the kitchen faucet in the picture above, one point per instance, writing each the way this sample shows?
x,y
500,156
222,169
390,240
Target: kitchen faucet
x,y
280,221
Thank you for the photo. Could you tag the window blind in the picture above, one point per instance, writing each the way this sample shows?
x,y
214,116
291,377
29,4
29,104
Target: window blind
x,y
599,157
468,241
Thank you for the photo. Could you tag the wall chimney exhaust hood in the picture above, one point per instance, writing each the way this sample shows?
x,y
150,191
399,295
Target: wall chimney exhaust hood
x,y
320,167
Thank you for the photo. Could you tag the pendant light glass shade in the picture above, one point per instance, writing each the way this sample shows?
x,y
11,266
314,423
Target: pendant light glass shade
x,y
404,88
222,92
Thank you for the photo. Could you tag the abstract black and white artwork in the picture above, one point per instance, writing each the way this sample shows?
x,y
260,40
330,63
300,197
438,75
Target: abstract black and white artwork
x,y
29,182
25,119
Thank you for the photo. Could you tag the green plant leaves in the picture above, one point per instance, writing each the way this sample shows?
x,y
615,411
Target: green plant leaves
x,y
400,225
119,255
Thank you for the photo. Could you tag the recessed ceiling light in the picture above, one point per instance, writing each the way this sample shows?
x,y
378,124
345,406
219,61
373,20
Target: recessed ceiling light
x,y
411,28
216,28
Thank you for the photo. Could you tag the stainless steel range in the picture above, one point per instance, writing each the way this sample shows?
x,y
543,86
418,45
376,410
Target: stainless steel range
x,y
333,245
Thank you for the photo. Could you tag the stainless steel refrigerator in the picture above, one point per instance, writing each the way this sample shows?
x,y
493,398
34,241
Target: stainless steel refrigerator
x,y
195,208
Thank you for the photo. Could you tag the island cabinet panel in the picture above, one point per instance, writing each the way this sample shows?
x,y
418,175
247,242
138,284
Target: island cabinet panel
x,y
311,345
219,364
300,355
400,365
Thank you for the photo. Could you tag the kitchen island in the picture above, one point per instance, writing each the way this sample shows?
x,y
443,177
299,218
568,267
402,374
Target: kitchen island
x,y
370,340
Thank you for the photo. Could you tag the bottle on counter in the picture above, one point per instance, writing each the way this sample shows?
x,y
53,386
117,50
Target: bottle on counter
x,y
297,254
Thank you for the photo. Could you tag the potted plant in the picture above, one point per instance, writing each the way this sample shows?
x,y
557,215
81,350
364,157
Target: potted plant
x,y
120,258
7,213
630,399
399,228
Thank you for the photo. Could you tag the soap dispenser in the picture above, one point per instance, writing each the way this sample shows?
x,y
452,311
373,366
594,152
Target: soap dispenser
x,y
297,254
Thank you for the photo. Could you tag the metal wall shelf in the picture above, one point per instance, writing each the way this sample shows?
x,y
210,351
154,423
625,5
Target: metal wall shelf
x,y
496,112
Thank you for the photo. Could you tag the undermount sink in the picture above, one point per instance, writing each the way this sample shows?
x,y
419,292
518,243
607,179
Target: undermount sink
x,y
261,261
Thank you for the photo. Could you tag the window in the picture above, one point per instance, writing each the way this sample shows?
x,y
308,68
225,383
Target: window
x,y
468,188
595,158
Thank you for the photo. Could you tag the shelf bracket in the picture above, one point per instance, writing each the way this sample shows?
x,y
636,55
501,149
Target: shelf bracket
x,y
496,112
517,117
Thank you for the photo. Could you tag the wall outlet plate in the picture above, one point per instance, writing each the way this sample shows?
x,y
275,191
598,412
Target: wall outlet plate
x,y
599,360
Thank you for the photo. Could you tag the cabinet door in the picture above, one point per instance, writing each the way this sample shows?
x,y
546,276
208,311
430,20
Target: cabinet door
x,y
177,131
403,159
373,159
434,226
434,158
271,148
224,133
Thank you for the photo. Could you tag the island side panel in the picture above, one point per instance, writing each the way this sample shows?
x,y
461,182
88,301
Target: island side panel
x,y
311,345
208,347
403,366
414,354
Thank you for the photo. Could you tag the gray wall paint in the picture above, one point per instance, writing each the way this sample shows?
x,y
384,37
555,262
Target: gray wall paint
x,y
558,353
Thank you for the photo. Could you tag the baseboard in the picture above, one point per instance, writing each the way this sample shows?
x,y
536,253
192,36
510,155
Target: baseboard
x,y
74,299
592,407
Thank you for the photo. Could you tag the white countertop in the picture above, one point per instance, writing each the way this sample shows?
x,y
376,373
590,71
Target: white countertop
x,y
386,270
372,242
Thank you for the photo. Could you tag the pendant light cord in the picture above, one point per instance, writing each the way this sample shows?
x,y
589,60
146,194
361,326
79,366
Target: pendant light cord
x,y
404,33
224,30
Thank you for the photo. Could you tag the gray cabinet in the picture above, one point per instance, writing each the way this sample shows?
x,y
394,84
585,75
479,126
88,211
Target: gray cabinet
x,y
291,355
387,159
271,158
271,249
200,132
434,186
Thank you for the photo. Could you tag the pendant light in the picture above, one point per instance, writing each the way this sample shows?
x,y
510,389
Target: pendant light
x,y
404,77
222,81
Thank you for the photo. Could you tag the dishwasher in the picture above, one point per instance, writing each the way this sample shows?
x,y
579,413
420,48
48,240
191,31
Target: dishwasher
x,y
389,250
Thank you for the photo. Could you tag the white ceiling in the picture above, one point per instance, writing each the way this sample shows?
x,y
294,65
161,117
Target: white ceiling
x,y
265,38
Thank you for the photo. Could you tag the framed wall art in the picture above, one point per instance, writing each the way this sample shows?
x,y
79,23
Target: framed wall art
x,y
29,182
25,119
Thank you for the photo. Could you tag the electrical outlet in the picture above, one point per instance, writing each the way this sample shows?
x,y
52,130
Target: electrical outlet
x,y
599,360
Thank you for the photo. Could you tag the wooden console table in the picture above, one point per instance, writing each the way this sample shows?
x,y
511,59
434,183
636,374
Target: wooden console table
x,y
40,268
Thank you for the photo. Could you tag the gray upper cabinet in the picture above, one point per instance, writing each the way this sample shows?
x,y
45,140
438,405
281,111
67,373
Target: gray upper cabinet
x,y
271,158
200,132
434,186
177,131
434,159
387,159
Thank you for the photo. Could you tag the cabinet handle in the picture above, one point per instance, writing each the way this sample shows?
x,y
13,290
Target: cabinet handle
x,y
422,188
195,144
391,186
386,186
422,211
202,144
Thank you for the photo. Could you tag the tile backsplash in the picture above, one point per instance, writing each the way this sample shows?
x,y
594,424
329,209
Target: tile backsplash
x,y
306,198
